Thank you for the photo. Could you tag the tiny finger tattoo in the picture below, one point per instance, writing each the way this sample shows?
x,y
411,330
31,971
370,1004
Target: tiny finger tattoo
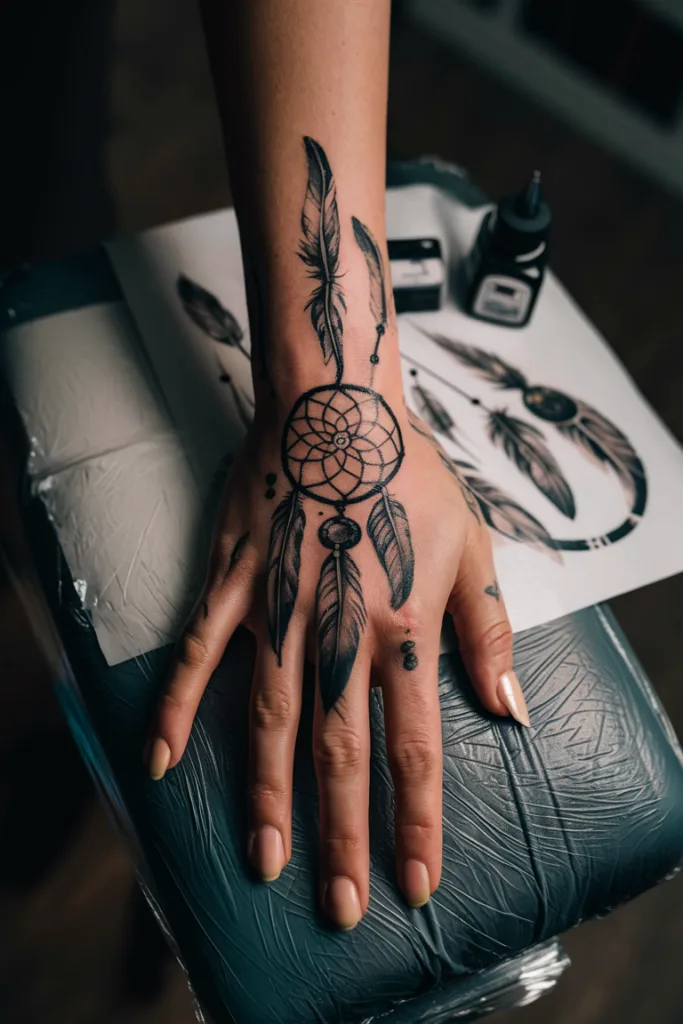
x,y
270,481
493,590
205,609
410,660
238,551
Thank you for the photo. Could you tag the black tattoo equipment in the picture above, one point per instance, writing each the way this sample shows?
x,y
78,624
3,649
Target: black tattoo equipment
x,y
502,275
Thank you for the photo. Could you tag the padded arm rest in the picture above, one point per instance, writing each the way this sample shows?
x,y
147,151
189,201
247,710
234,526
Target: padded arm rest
x,y
542,828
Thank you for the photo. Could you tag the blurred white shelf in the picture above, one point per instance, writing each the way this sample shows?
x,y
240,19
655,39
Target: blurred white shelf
x,y
493,38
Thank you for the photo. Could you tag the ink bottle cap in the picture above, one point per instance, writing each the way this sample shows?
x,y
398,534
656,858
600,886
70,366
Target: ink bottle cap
x,y
504,271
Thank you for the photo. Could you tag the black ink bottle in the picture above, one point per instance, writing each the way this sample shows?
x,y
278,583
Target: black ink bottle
x,y
503,273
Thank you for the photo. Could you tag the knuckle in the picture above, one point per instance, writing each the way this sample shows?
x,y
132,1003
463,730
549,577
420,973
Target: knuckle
x,y
413,761
173,703
411,615
496,639
338,753
272,708
262,792
417,834
193,651
339,848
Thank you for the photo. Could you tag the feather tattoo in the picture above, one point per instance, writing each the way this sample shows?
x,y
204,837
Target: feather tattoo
x,y
378,295
320,252
284,563
390,534
526,447
341,620
207,313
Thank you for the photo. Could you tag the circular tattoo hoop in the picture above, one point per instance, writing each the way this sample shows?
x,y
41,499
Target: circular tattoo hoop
x,y
341,444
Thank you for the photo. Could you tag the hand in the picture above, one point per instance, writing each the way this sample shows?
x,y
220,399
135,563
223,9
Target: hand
x,y
448,560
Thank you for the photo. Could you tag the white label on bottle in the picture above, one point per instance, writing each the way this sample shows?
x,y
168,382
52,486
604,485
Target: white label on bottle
x,y
503,298
417,273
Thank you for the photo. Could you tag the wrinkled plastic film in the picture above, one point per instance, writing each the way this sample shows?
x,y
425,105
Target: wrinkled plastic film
x,y
107,464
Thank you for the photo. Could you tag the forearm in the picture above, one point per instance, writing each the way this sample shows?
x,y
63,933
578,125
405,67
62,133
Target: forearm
x,y
286,70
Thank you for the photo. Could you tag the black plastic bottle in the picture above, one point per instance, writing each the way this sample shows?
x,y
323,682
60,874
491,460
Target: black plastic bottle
x,y
503,273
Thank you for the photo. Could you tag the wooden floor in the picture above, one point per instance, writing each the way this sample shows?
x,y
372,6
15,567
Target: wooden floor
x,y
78,947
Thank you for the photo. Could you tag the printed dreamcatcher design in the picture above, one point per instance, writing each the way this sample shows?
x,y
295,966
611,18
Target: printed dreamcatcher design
x,y
219,324
525,445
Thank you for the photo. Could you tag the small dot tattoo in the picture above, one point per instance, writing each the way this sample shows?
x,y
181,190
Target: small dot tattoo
x,y
225,378
410,662
270,493
271,478
321,513
407,646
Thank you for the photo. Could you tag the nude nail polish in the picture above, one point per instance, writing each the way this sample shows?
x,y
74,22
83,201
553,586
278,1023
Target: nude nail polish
x,y
267,852
416,886
159,757
342,903
510,693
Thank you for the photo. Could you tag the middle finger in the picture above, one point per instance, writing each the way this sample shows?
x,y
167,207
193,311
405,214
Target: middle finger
x,y
342,758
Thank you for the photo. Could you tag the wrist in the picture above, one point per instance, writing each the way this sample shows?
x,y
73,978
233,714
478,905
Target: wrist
x,y
291,369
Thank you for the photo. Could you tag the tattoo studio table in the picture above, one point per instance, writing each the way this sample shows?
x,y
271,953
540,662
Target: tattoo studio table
x,y
118,402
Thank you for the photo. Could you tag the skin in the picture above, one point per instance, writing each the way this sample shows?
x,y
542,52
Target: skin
x,y
283,70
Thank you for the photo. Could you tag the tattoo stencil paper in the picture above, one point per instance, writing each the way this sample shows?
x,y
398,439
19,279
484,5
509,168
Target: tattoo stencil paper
x,y
341,447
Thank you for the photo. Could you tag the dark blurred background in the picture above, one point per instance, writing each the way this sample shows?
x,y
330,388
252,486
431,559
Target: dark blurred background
x,y
109,126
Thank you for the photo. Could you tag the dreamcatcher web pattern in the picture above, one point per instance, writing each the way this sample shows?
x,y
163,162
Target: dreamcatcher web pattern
x,y
341,444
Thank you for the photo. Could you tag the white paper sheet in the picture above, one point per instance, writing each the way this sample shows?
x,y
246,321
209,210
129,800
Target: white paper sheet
x,y
559,350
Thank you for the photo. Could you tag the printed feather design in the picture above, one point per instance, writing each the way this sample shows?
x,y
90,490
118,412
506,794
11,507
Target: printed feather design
x,y
341,620
320,252
284,563
605,444
433,411
503,514
373,258
243,402
389,532
207,313
526,446
487,365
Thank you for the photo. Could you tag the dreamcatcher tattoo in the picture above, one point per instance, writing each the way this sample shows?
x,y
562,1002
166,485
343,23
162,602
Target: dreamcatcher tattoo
x,y
341,447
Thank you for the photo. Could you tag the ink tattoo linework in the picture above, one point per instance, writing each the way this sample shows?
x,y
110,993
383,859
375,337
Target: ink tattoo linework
x,y
410,661
378,295
493,590
341,446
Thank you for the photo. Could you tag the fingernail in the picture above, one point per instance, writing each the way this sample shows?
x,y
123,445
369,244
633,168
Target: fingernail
x,y
510,693
342,904
416,883
159,758
267,852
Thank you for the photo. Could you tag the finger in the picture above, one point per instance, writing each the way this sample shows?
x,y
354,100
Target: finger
x,y
223,604
410,686
341,743
484,633
275,711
